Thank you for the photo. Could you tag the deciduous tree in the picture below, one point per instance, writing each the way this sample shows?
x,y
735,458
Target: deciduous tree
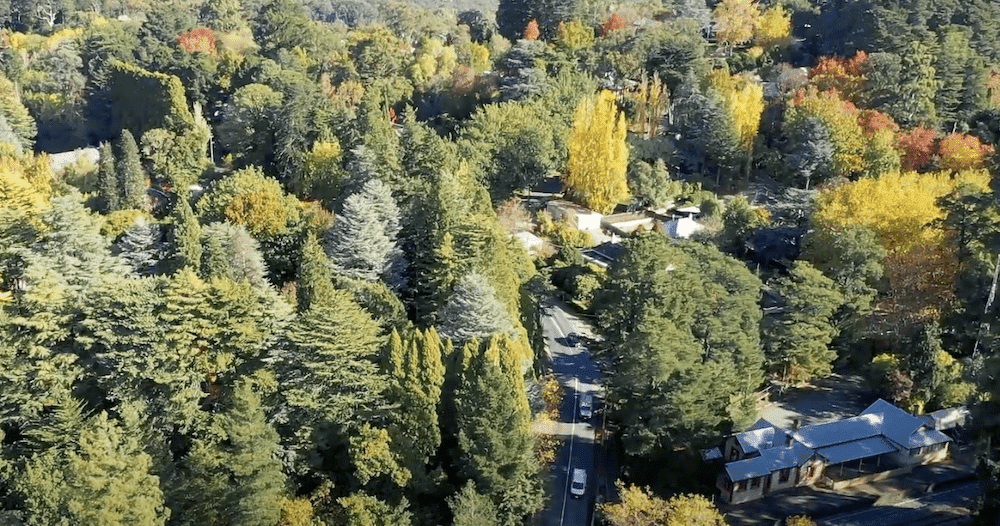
x,y
598,154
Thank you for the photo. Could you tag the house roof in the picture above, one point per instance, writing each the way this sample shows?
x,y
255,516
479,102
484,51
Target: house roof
x,y
839,432
868,447
897,425
762,438
927,437
748,468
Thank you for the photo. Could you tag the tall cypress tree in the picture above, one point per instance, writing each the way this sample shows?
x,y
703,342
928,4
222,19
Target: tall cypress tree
x,y
132,182
314,283
185,236
107,180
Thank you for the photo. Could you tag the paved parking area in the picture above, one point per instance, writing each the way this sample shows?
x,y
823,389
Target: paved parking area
x,y
832,398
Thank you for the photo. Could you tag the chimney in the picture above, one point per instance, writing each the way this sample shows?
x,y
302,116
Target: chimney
x,y
788,440
795,424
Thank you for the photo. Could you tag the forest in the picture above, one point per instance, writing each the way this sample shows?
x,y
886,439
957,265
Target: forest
x,y
276,282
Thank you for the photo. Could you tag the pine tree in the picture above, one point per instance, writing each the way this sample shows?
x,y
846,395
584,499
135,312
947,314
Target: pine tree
x,y
473,311
141,246
797,341
234,477
132,184
598,154
362,241
9,139
185,236
107,180
314,285
214,259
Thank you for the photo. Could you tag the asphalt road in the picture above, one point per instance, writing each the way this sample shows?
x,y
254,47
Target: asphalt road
x,y
949,506
578,375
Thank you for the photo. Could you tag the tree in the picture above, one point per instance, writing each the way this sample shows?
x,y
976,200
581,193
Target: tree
x,y
639,507
248,197
531,30
839,117
495,443
471,508
142,246
709,144
917,147
362,241
107,180
773,29
814,150
512,17
473,311
16,115
598,154
95,473
735,21
235,254
681,323
248,124
132,183
234,477
849,255
962,152
653,183
739,223
185,236
797,340
362,509
314,284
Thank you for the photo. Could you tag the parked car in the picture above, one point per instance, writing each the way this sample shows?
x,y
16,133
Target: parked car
x,y
586,406
578,486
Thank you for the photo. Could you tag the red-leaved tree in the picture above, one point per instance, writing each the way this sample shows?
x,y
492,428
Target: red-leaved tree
x,y
960,151
916,147
531,31
200,39
613,23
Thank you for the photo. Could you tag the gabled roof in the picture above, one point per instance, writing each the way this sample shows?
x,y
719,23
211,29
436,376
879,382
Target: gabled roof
x,y
926,437
748,468
832,433
756,440
769,461
897,425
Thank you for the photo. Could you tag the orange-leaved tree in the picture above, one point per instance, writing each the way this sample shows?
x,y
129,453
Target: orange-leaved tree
x,y
845,76
916,147
959,151
613,23
531,31
598,154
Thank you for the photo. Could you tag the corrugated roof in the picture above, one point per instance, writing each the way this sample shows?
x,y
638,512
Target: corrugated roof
x,y
786,457
927,437
897,425
760,424
747,468
839,432
758,439
859,449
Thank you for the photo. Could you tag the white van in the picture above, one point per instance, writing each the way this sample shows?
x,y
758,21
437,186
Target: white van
x,y
579,482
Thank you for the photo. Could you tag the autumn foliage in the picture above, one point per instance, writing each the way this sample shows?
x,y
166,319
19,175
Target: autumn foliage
x,y
598,153
959,151
613,23
916,147
874,121
201,39
531,32
845,76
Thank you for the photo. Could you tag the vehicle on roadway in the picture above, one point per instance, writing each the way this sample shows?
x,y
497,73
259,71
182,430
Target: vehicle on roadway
x,y
578,486
586,406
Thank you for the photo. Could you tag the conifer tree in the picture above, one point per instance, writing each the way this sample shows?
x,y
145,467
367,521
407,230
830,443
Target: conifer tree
x,y
234,477
141,246
362,509
107,180
473,311
9,139
93,472
132,183
471,508
598,155
362,241
185,236
214,260
314,285
233,247
797,341
499,457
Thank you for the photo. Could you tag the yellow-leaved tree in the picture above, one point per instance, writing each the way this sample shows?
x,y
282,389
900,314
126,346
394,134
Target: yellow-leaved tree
x,y
773,28
25,184
902,211
735,21
598,154
744,100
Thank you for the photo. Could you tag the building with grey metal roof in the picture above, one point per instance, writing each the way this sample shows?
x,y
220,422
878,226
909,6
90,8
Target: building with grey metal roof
x,y
882,441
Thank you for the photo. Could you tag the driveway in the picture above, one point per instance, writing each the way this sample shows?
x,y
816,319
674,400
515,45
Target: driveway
x,y
578,374
833,398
